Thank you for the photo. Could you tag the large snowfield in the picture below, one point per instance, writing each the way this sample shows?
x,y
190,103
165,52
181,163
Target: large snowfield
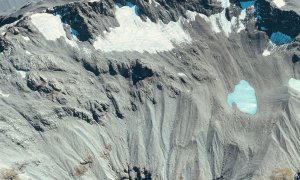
x,y
133,34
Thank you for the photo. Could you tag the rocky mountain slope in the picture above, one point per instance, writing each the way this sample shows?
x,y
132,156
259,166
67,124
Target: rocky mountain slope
x,y
8,6
150,89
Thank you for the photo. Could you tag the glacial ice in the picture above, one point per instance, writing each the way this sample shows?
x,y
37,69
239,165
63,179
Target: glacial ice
x,y
279,38
133,34
244,97
219,22
247,4
50,26
294,84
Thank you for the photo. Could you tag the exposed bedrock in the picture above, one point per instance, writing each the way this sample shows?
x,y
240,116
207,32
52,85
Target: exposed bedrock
x,y
272,20
69,111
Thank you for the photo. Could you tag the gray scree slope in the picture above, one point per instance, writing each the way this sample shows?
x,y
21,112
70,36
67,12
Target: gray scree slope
x,y
80,115
8,6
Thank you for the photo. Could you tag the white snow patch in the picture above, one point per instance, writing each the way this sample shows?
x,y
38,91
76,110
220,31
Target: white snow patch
x,y
279,3
294,84
191,16
27,52
266,52
3,94
87,51
181,74
225,3
26,38
22,74
241,19
156,3
272,48
50,26
3,166
219,22
133,34
24,176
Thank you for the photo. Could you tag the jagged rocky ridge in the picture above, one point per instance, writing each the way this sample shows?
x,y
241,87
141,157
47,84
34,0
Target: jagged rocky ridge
x,y
77,14
79,113
272,20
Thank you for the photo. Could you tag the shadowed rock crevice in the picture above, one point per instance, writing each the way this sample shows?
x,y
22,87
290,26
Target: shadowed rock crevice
x,y
3,45
136,173
119,68
114,102
136,71
74,15
112,69
280,25
8,20
42,85
38,122
95,112
92,67
171,10
271,19
98,110
140,72
69,111
124,70
295,58
38,84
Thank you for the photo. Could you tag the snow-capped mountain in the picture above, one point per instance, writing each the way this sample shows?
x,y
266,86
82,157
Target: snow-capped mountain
x,y
149,89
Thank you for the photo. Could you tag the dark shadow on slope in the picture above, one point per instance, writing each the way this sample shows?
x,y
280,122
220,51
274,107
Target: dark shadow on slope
x,y
271,19
3,45
140,72
9,19
137,173
281,26
70,14
295,58
91,68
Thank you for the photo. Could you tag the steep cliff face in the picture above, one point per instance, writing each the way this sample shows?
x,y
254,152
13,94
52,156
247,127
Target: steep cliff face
x,y
139,90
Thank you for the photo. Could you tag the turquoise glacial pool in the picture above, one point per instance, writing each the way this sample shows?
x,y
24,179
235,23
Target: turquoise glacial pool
x,y
244,97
